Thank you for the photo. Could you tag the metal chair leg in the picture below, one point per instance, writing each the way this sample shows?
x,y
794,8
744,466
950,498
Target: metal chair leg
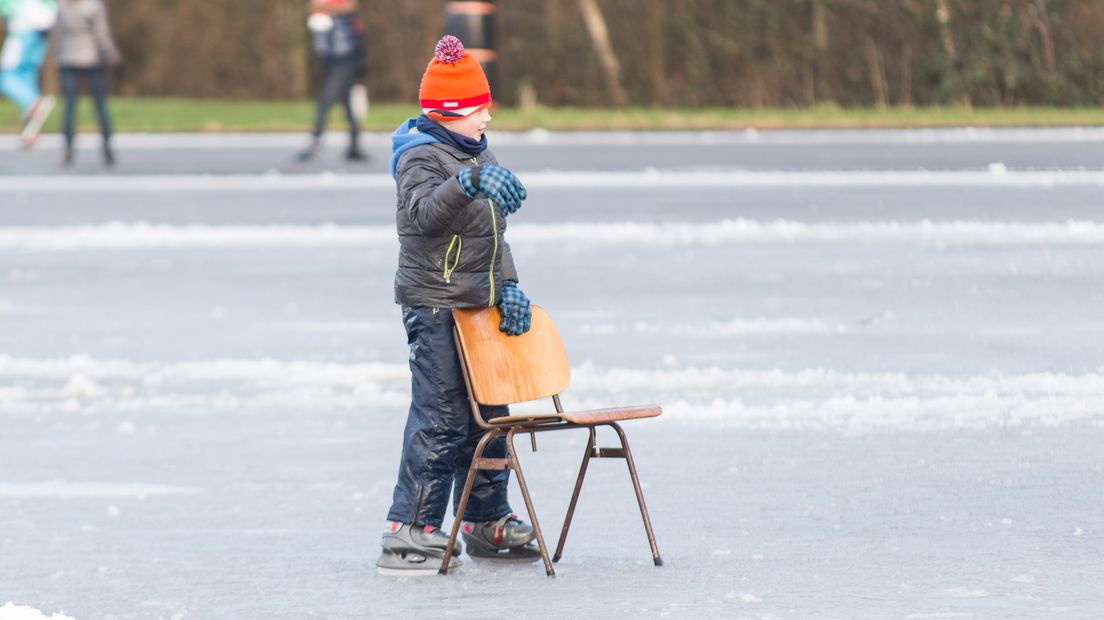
x,y
575,496
469,482
639,494
516,466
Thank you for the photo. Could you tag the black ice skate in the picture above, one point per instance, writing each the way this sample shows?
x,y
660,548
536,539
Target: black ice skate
x,y
508,538
414,551
354,153
309,153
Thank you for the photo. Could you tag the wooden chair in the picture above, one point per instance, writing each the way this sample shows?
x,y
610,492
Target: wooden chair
x,y
502,370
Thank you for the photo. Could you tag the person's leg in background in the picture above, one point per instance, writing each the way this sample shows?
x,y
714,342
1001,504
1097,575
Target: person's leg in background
x,y
20,60
327,95
348,80
97,79
70,87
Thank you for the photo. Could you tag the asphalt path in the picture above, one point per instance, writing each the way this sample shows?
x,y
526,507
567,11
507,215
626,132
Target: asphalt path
x,y
946,149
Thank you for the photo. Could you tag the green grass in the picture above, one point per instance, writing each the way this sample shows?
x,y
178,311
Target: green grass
x,y
132,114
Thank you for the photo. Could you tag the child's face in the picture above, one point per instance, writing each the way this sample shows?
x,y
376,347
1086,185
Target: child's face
x,y
473,125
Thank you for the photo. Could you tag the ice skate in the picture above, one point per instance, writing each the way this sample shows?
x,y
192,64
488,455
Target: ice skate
x,y
508,538
414,551
309,153
354,153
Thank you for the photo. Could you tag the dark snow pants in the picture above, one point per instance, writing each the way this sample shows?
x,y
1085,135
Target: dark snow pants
x,y
337,80
440,435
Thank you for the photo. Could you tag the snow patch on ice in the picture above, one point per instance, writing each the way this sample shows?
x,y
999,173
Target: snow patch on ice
x,y
962,592
139,235
144,236
81,387
124,386
11,611
743,597
718,329
62,489
709,396
340,327
569,179
8,309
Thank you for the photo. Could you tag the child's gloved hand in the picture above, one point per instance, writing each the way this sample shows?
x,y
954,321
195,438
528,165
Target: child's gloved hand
x,y
497,183
517,318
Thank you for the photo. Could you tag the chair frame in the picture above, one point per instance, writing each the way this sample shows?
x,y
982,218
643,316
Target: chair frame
x,y
511,462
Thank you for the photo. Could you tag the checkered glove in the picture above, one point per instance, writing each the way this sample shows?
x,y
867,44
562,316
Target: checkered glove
x,y
517,318
497,183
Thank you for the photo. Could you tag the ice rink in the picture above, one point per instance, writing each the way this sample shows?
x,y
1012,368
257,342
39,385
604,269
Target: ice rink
x,y
880,355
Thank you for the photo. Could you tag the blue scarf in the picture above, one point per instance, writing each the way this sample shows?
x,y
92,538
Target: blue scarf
x,y
430,127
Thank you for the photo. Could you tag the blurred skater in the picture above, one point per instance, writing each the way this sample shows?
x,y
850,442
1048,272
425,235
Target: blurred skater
x,y
28,24
337,40
85,50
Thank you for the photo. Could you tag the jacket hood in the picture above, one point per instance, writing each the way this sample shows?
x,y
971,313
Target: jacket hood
x,y
406,137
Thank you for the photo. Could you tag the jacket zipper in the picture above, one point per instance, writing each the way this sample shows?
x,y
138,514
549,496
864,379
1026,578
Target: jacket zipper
x,y
459,244
494,252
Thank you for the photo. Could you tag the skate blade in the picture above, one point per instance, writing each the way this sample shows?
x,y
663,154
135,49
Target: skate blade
x,y
415,565
410,572
528,553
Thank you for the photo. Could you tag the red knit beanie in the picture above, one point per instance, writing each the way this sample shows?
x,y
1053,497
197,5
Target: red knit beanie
x,y
454,85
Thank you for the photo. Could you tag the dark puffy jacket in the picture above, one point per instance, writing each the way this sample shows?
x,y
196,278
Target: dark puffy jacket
x,y
342,41
453,253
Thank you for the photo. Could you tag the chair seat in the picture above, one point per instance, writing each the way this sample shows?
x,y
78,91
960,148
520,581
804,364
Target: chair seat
x,y
582,418
527,418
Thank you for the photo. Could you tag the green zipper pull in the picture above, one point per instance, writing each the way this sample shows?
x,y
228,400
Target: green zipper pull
x,y
459,244
494,253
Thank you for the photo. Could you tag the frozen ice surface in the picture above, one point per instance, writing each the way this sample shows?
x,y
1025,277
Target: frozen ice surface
x,y
11,611
884,398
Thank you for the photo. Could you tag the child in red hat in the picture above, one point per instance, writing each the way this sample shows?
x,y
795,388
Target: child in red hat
x,y
453,202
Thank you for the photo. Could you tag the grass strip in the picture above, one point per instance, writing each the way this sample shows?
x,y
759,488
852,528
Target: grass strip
x,y
162,115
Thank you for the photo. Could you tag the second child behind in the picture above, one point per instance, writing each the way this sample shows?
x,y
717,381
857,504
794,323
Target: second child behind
x,y
337,38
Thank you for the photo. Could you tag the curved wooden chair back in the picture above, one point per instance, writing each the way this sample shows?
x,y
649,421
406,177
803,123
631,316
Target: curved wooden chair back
x,y
511,369
503,370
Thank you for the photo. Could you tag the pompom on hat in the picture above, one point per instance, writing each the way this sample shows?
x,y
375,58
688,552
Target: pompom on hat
x,y
454,85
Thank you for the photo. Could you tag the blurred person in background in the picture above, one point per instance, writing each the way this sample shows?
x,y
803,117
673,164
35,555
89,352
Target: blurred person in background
x,y
28,23
85,50
337,41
